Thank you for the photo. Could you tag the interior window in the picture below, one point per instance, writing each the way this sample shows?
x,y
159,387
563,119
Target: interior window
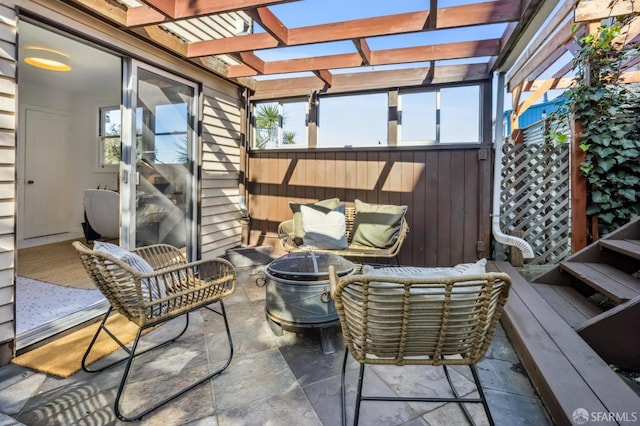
x,y
355,120
109,138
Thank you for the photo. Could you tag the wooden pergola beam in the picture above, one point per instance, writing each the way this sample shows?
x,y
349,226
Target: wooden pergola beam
x,y
244,43
457,16
553,83
436,52
595,10
548,62
106,10
363,50
515,101
537,94
159,11
271,24
542,37
252,61
347,60
354,82
432,22
445,51
630,31
533,63
146,21
325,76
162,37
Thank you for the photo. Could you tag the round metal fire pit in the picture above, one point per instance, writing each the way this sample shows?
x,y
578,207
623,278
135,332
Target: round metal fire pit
x,y
298,288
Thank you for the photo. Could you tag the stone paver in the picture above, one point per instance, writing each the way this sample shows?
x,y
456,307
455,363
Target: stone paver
x,y
283,380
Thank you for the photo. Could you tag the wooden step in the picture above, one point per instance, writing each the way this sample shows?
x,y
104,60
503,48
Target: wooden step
x,y
629,248
566,372
611,282
613,334
572,306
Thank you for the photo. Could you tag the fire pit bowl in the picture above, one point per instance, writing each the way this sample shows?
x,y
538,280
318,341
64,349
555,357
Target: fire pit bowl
x,y
298,293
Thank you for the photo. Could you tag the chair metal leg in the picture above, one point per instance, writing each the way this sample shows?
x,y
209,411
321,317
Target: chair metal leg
x,y
132,354
102,328
343,398
483,397
457,395
343,392
359,399
457,398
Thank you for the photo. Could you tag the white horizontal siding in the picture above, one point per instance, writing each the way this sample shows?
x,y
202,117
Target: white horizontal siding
x,y
218,247
8,56
220,215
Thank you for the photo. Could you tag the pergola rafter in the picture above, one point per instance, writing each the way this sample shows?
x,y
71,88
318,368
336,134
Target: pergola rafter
x,y
161,11
572,19
379,57
198,31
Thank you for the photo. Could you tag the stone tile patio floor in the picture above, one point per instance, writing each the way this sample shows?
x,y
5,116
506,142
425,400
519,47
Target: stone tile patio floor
x,y
272,380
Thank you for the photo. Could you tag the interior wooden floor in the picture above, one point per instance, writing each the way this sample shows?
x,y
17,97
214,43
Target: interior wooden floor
x,y
55,263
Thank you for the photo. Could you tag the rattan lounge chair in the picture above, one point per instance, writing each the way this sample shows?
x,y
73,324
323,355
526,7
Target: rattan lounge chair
x,y
417,321
173,289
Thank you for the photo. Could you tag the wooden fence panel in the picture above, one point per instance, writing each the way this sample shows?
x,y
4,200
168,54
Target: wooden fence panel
x,y
442,187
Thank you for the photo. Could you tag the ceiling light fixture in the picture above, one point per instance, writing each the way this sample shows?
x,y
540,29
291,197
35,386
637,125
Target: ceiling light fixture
x,y
47,59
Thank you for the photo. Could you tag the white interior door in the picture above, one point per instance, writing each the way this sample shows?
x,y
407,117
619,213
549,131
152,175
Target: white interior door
x,y
46,176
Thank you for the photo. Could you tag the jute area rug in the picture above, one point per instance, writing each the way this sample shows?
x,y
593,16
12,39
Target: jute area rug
x,y
63,357
56,263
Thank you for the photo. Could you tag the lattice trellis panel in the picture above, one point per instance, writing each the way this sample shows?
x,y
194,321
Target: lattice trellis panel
x,y
535,197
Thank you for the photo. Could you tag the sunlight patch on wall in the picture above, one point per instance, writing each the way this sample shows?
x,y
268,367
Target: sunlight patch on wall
x,y
403,177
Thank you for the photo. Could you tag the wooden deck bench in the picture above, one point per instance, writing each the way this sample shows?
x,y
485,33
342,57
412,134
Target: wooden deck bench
x,y
286,238
566,372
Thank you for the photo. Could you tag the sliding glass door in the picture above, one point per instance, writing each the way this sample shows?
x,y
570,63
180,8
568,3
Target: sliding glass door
x,y
158,171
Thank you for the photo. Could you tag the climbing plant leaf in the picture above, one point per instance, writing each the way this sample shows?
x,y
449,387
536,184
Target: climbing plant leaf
x,y
608,112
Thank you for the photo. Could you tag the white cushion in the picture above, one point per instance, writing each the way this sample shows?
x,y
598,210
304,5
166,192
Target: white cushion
x,y
324,230
477,268
427,274
136,262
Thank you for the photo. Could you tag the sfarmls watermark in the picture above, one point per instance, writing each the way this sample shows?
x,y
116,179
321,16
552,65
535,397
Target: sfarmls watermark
x,y
582,417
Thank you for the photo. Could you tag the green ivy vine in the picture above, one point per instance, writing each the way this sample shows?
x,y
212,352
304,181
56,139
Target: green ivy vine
x,y
609,113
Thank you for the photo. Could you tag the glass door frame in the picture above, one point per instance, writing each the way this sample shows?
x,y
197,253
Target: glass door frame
x,y
128,170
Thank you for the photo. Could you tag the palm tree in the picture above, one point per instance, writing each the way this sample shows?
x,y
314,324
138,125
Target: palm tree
x,y
288,137
267,124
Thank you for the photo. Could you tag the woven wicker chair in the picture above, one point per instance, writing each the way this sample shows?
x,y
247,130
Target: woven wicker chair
x,y
412,321
175,288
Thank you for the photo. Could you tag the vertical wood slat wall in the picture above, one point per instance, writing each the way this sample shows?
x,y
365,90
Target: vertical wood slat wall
x,y
447,191
8,124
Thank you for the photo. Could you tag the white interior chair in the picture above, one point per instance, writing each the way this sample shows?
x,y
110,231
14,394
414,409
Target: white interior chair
x,y
103,212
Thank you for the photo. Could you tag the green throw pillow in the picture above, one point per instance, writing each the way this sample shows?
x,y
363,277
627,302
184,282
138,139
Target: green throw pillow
x,y
322,205
377,225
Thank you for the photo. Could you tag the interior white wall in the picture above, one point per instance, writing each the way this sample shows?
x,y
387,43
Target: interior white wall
x,y
82,160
